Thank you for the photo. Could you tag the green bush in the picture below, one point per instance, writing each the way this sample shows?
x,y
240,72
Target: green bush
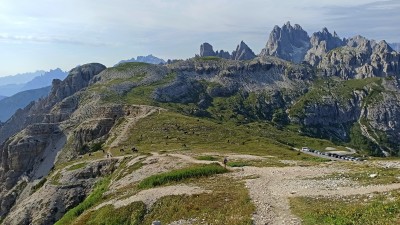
x,y
207,158
96,146
38,185
182,174
238,164
76,166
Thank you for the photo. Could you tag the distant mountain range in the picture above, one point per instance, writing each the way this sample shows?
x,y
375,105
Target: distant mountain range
x,y
395,46
9,105
146,59
20,78
11,85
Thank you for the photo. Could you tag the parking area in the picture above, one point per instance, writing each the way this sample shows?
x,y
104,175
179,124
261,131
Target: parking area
x,y
330,155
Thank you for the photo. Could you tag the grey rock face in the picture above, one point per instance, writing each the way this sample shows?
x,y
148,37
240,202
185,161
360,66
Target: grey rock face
x,y
26,136
77,79
182,91
223,54
206,50
289,43
243,52
372,109
51,202
321,43
361,58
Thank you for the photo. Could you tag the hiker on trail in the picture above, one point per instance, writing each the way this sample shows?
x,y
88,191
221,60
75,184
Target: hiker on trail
x,y
225,161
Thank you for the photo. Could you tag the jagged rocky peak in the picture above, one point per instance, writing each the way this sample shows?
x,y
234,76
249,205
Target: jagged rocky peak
x,y
361,58
223,54
361,43
206,50
243,52
289,42
382,47
77,79
321,43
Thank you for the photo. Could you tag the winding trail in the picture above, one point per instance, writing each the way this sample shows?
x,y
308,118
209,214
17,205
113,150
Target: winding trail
x,y
150,196
122,131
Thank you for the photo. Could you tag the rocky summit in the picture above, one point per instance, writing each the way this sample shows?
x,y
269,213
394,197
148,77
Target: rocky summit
x,y
289,43
141,143
242,52
355,57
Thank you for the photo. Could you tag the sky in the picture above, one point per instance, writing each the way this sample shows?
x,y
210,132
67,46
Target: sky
x,y
46,34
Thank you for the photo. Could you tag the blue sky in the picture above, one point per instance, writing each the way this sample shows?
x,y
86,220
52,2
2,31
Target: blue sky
x,y
45,34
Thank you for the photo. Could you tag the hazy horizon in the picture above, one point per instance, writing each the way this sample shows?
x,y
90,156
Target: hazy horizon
x,y
45,34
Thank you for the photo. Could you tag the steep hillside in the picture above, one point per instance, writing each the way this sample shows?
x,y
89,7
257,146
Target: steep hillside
x,y
362,112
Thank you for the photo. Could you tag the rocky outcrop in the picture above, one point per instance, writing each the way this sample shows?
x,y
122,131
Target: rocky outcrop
x,y
77,79
18,157
365,114
89,131
361,58
321,43
36,129
206,50
199,80
59,194
223,54
182,90
289,43
243,52
356,57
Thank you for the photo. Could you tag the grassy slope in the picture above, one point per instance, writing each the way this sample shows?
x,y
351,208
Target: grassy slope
x,y
172,131
381,209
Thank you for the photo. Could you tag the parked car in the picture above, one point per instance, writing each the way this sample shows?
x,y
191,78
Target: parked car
x,y
305,149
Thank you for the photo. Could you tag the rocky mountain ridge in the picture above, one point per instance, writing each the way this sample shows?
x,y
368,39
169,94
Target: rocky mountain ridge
x,y
242,52
289,42
145,59
356,57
